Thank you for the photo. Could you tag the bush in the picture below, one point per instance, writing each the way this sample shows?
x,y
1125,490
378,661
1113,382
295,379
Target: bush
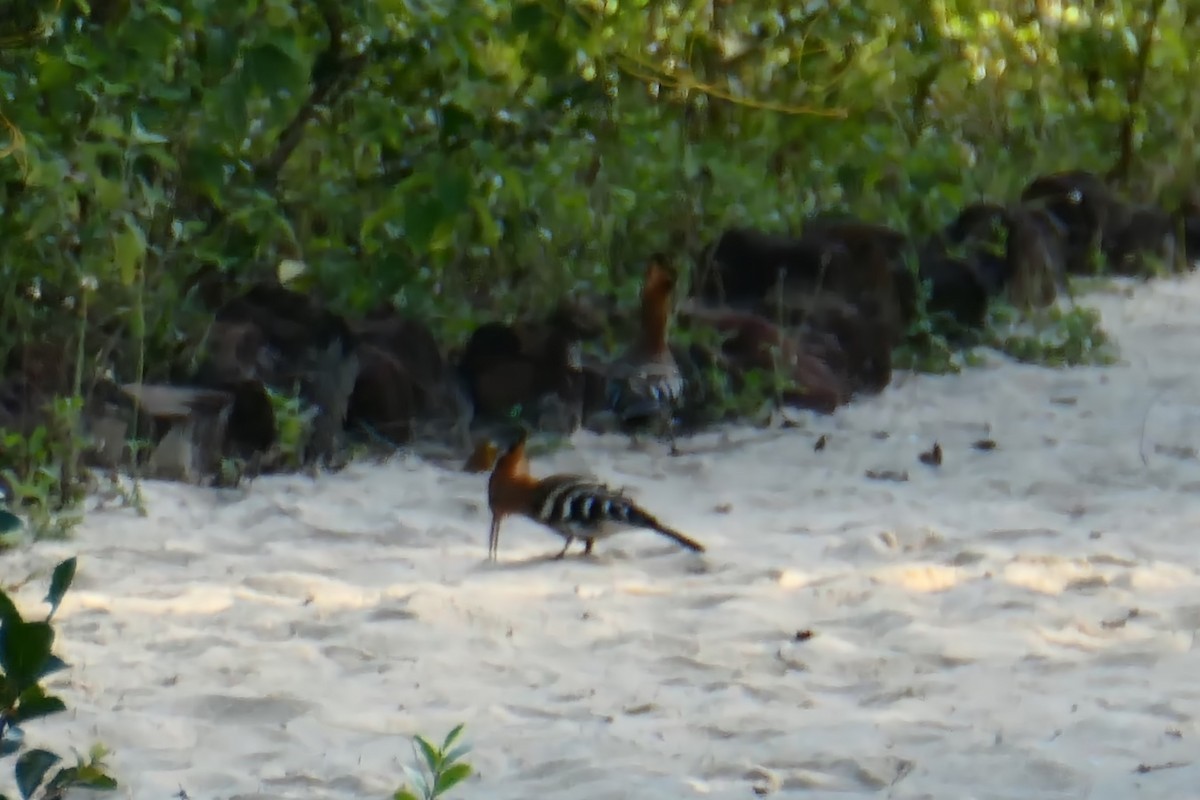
x,y
442,768
26,657
474,158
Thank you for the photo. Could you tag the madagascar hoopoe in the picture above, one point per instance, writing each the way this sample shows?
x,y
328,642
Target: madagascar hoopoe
x,y
572,506
645,385
482,458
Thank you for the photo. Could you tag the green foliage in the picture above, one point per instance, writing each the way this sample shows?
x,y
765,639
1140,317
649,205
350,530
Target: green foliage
x,y
931,354
472,158
758,394
1053,337
26,657
293,426
10,523
42,469
440,770
424,152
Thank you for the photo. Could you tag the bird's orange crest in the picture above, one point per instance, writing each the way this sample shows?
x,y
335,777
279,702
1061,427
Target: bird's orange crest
x,y
482,458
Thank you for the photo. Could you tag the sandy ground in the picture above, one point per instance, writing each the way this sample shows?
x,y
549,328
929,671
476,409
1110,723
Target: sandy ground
x,y
1019,623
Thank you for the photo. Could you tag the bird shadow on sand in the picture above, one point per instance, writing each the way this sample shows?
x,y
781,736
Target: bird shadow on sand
x,y
512,564
696,563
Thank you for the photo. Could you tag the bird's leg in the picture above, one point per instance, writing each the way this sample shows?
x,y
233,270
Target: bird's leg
x,y
588,545
666,430
562,553
494,539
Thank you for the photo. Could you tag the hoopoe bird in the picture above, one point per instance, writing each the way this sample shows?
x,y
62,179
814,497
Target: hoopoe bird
x,y
572,506
482,458
645,386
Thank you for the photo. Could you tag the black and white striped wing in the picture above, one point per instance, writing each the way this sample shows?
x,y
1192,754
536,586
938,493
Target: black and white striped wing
x,y
585,509
659,383
646,390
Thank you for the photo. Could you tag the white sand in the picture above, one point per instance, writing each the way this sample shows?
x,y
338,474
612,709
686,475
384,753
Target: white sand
x,y
972,625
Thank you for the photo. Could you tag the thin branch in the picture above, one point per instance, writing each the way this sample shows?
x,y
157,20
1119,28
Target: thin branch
x,y
332,73
1133,96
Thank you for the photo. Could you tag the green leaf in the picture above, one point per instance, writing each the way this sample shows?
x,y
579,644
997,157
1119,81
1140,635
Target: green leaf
x,y
53,664
404,794
64,573
104,783
549,57
163,159
204,168
489,231
272,70
432,757
24,650
443,237
527,17
8,610
139,135
110,194
380,218
455,121
129,247
515,186
418,781
431,217
454,192
229,111
108,128
14,740
35,703
422,215
53,72
31,769
92,778
62,779
450,778
624,199
456,753
454,733
9,522
84,776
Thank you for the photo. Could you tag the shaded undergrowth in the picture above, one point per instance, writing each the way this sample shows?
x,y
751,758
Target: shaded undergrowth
x,y
372,159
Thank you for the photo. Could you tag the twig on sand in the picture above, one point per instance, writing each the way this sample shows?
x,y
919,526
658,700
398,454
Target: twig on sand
x,y
1145,420
1142,769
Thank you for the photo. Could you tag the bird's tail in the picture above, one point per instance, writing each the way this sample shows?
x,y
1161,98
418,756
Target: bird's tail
x,y
649,521
685,541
